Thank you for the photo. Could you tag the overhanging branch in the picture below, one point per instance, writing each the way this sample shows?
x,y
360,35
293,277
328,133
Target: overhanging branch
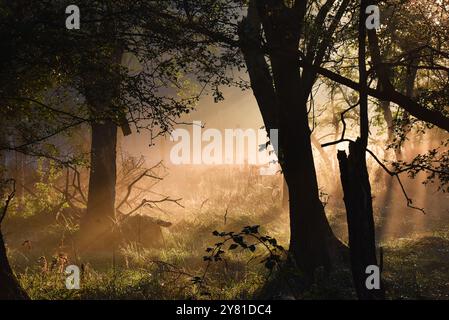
x,y
415,109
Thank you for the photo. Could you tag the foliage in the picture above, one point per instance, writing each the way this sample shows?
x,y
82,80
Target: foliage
x,y
44,198
84,79
435,163
247,240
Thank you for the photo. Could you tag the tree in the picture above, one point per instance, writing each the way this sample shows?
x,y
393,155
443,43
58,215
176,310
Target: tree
x,y
87,63
416,65
354,175
162,51
10,288
282,92
277,30
356,184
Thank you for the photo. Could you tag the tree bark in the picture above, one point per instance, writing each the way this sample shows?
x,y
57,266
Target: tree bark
x,y
102,90
359,211
283,104
100,212
10,288
310,233
97,223
357,187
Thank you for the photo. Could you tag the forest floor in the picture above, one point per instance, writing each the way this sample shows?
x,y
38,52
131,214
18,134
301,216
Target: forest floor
x,y
415,266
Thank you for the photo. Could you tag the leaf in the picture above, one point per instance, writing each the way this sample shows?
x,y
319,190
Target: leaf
x,y
238,239
254,229
269,264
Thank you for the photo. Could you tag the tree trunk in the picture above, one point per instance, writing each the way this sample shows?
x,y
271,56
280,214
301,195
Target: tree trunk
x,y
359,211
311,239
102,90
312,242
357,187
284,107
102,179
10,288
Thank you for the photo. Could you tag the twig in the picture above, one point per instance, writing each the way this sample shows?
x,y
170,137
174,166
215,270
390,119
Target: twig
x,y
396,174
226,214
391,173
8,199
150,203
203,203
342,138
131,185
77,186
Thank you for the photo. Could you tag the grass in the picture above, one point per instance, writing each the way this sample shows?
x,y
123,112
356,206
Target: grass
x,y
416,267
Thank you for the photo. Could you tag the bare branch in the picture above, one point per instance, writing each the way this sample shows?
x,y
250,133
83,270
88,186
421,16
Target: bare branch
x,y
396,174
8,199
146,173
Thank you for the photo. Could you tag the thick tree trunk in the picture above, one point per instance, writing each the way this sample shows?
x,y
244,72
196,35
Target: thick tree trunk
x,y
284,107
10,288
312,242
100,214
359,211
102,93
